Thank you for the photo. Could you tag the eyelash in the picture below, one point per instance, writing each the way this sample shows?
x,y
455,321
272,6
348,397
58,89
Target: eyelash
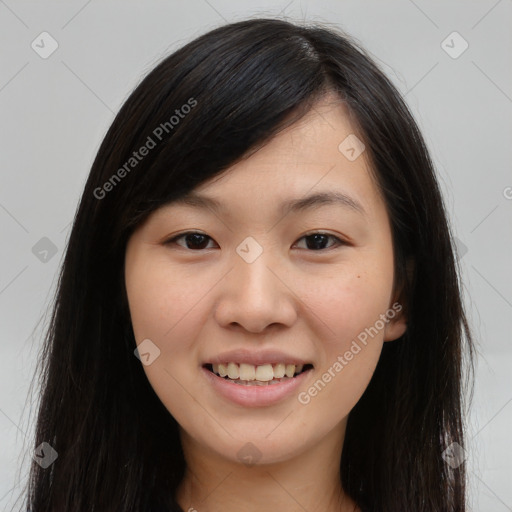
x,y
339,242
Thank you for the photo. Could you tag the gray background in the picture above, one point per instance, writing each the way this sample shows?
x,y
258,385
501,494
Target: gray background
x,y
55,111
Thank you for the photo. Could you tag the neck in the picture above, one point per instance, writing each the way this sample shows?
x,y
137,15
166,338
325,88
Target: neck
x,y
308,481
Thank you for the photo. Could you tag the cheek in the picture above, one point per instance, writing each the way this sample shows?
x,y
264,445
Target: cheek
x,y
166,312
162,301
349,300
349,307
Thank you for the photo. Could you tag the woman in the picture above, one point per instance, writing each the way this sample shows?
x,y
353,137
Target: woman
x,y
259,307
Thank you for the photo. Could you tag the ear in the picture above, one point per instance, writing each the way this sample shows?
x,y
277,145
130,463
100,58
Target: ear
x,y
397,314
396,326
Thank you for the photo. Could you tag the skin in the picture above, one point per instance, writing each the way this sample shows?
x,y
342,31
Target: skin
x,y
196,303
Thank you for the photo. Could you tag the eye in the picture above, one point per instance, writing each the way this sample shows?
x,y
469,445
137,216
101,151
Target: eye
x,y
193,240
197,241
316,241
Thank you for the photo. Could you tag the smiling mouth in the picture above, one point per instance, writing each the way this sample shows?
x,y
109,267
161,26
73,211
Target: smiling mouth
x,y
260,375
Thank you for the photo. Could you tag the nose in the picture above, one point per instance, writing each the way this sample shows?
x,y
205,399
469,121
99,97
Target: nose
x,y
255,296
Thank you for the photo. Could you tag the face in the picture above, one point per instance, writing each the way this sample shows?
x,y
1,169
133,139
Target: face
x,y
260,286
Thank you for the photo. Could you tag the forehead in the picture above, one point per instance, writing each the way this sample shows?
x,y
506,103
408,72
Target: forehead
x,y
321,158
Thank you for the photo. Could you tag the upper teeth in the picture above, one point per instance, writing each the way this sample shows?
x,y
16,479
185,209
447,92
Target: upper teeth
x,y
264,372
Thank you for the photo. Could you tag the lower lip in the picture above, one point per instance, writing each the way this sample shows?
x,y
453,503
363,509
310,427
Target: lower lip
x,y
254,396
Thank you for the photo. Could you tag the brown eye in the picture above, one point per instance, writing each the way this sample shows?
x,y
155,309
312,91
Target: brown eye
x,y
197,241
317,241
193,240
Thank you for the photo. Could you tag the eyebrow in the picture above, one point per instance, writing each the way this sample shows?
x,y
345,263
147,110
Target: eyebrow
x,y
292,205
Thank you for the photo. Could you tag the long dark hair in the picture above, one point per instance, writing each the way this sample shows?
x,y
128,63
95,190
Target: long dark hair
x,y
230,91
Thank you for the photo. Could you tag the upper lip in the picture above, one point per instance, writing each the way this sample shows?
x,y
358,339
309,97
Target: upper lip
x,y
256,358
